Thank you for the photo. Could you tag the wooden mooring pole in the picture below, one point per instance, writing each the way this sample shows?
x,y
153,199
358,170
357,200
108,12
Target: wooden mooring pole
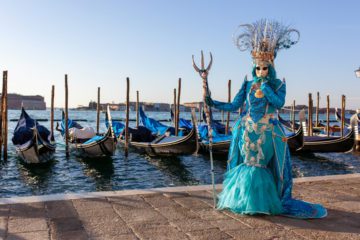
x,y
137,109
52,113
178,108
2,115
175,110
228,113
98,111
312,116
310,119
4,124
66,117
328,115
317,109
343,99
293,116
127,118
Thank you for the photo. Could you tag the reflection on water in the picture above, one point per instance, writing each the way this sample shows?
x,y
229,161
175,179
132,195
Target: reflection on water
x,y
318,164
100,170
36,177
137,171
174,169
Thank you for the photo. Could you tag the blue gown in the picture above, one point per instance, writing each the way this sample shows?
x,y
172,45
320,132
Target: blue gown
x,y
258,178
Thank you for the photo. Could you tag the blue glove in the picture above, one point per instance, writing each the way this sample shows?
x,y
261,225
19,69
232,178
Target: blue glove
x,y
209,101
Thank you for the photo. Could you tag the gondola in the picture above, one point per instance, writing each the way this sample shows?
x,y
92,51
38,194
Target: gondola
x,y
354,121
296,140
168,145
158,129
34,143
220,145
95,146
288,125
163,144
322,143
329,144
221,141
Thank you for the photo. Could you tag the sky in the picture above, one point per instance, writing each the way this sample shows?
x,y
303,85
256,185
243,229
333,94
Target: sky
x,y
101,43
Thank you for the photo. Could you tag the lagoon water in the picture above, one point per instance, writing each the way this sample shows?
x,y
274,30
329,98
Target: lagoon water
x,y
75,174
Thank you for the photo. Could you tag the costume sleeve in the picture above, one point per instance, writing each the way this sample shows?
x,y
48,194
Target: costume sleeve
x,y
236,103
275,97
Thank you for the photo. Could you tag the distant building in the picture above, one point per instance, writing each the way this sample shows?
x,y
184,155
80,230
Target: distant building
x,y
29,102
147,106
195,105
92,105
156,107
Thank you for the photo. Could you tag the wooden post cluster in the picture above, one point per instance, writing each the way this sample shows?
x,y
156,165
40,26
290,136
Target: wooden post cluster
x,y
4,117
228,113
127,118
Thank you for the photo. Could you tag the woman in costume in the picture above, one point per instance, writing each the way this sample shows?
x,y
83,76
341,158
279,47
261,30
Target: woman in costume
x,y
258,178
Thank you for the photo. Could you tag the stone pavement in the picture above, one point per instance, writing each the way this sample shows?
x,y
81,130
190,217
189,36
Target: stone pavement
x,y
178,213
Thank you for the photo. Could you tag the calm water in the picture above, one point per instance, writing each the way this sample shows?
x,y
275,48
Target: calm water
x,y
137,171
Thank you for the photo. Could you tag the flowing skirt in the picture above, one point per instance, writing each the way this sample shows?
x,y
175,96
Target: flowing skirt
x,y
250,190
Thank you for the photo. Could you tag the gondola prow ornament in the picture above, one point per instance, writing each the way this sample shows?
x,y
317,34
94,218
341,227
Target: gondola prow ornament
x,y
204,72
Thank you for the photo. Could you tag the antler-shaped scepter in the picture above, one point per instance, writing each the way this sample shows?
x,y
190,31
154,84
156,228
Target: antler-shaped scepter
x,y
203,72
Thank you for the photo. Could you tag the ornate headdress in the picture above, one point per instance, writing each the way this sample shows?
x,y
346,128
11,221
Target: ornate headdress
x,y
264,38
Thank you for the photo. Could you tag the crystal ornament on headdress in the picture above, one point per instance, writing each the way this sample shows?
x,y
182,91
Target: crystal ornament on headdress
x,y
264,38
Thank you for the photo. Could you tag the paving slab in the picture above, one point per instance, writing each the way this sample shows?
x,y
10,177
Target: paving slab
x,y
20,225
159,200
178,213
210,214
162,233
60,225
38,235
28,210
115,237
106,228
209,234
3,227
60,209
145,226
4,210
66,235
